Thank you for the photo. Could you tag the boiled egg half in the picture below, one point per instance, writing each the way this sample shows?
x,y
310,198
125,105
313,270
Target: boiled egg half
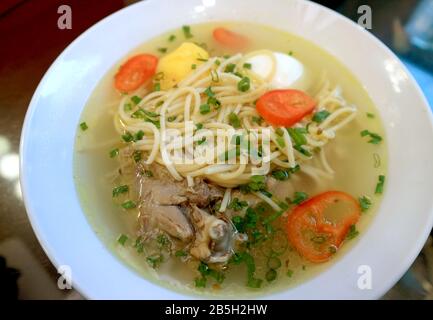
x,y
282,70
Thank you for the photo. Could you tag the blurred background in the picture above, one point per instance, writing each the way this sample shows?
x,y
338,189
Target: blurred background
x,y
30,41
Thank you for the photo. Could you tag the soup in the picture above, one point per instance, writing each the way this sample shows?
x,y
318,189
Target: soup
x,y
229,158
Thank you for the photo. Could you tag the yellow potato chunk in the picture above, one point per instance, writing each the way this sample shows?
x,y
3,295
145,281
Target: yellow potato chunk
x,y
177,65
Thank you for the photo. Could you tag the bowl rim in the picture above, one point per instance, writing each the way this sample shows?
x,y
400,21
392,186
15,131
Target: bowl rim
x,y
410,257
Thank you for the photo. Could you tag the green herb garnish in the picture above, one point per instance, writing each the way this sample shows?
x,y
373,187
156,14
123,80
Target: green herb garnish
x,y
129,204
237,205
380,184
365,203
119,190
204,108
122,239
187,32
113,153
320,116
234,120
230,68
136,99
155,260
180,253
83,126
244,84
352,232
375,138
299,197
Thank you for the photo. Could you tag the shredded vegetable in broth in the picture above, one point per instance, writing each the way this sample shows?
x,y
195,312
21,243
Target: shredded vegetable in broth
x,y
218,162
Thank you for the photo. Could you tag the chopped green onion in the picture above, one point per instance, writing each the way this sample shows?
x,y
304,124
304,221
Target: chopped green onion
x,y
302,150
157,86
230,68
247,65
138,245
180,253
83,126
237,205
122,239
289,273
352,232
370,115
199,126
217,62
214,102
171,38
266,193
129,204
200,282
298,198
320,116
244,84
171,118
136,99
162,241
204,108
365,203
375,138
119,190
162,50
234,120
298,136
139,135
114,153
136,156
187,32
155,260
193,66
200,142
127,137
209,92
380,184
202,59
281,175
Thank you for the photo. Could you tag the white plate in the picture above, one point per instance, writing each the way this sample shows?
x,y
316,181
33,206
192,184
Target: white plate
x,y
388,247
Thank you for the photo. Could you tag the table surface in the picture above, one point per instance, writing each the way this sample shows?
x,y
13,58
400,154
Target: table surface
x,y
31,41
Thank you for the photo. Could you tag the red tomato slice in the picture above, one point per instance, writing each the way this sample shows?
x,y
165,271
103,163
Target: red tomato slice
x,y
284,107
230,39
135,72
312,234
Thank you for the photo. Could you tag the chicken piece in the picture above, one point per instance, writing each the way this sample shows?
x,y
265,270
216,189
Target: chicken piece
x,y
214,237
169,219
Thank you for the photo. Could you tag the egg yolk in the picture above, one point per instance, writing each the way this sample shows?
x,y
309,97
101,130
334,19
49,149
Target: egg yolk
x,y
177,65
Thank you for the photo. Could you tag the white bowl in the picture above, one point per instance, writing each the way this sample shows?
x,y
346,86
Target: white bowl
x,y
390,244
